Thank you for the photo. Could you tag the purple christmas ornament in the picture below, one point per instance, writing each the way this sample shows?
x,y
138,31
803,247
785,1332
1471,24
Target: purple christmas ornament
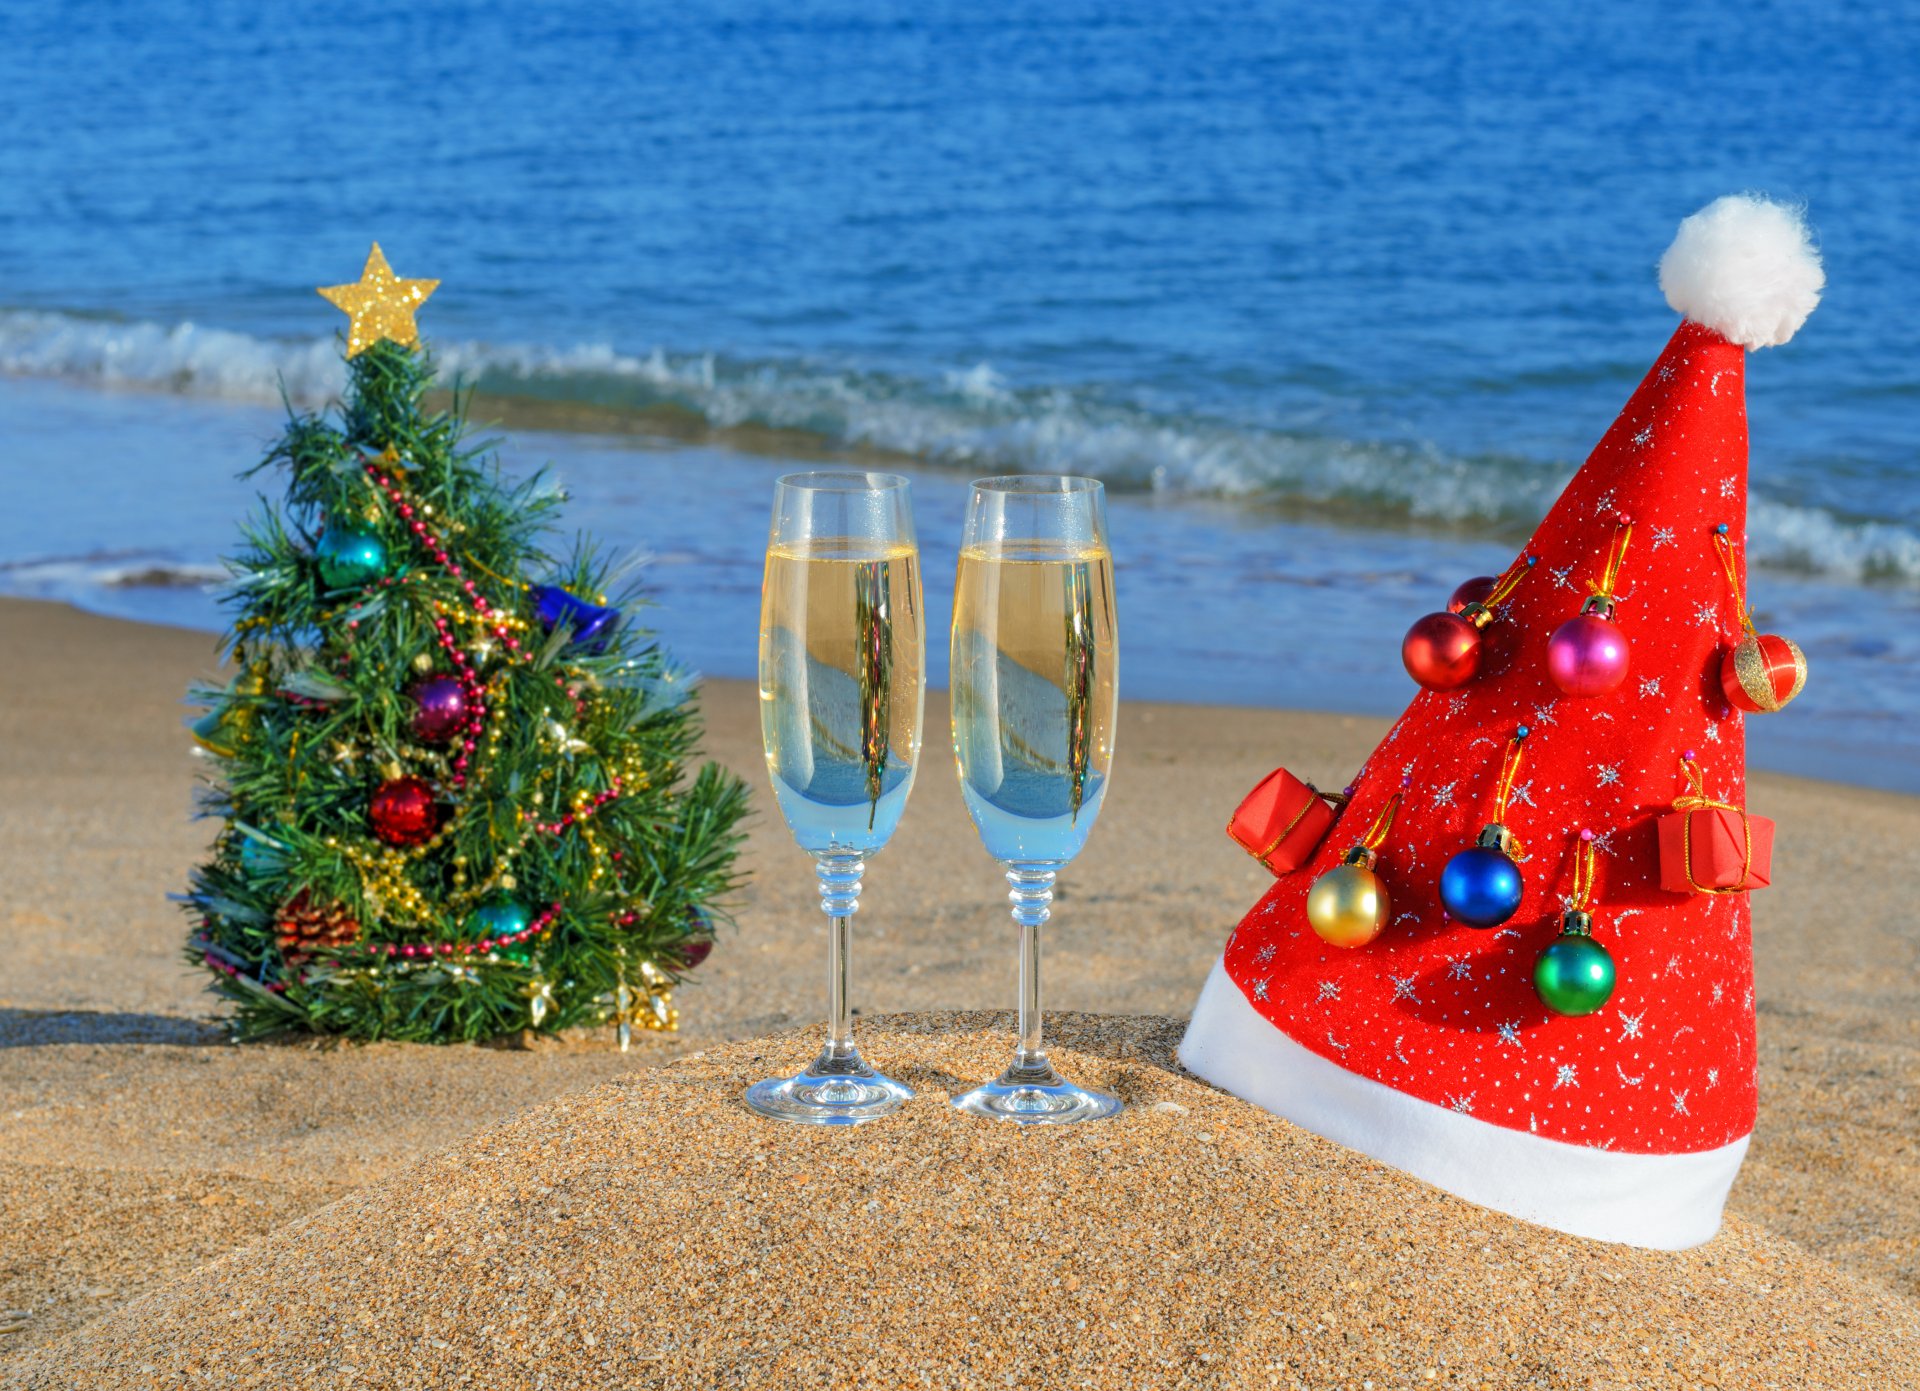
x,y
440,709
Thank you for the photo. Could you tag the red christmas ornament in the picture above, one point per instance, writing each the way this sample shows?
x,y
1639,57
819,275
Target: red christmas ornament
x,y
403,812
1442,651
1763,673
1477,590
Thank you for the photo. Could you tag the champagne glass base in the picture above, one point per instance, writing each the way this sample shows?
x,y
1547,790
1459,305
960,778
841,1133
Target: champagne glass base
x,y
1036,1096
832,1091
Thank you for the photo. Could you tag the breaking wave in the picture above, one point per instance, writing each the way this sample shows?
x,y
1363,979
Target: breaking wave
x,y
971,419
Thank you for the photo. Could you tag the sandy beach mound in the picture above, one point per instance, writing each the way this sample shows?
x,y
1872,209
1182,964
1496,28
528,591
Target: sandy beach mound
x,y
650,1232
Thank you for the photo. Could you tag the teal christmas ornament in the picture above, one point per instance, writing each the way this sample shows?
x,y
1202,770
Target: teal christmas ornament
x,y
1574,975
1481,886
349,556
260,857
501,918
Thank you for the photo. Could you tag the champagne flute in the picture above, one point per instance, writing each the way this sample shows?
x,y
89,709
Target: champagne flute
x,y
1035,678
842,692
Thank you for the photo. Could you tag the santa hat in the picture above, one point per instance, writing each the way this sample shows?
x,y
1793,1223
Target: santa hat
x,y
1448,1050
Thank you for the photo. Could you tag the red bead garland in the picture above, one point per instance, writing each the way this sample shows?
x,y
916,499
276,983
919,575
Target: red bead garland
x,y
574,818
410,950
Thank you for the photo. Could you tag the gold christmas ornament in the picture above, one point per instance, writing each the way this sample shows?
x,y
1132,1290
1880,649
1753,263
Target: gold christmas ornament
x,y
380,305
1348,905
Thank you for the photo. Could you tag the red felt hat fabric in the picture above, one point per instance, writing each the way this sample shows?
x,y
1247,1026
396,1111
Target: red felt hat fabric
x,y
1445,1014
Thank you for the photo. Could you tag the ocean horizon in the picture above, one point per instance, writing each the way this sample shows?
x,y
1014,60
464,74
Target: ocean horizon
x,y
1334,307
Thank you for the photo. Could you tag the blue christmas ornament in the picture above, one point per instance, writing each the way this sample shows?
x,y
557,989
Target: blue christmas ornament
x,y
1482,886
592,624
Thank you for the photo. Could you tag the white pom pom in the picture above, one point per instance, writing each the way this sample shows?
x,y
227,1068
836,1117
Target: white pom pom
x,y
1746,268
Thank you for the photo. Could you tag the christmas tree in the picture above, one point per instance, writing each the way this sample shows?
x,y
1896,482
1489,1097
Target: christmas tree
x,y
457,786
1520,965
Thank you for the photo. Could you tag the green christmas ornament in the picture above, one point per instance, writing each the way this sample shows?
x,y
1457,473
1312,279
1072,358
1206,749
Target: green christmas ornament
x,y
350,556
500,918
1574,975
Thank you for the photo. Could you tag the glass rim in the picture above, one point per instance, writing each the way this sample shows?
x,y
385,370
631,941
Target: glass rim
x,y
843,481
1039,484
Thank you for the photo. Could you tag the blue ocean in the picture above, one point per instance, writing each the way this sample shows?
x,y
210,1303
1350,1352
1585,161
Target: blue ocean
x,y
1334,298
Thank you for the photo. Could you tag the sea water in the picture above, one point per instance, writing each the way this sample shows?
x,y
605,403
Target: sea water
x,y
1334,300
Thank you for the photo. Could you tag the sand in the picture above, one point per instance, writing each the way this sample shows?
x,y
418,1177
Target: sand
x,y
135,1145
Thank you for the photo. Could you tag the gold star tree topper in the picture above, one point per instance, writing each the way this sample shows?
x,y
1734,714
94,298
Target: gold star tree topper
x,y
381,305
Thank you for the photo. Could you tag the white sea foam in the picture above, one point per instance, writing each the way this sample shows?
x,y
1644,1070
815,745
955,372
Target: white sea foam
x,y
967,418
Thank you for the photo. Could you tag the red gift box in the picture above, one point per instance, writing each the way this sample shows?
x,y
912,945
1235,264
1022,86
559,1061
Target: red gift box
x,y
1715,849
1281,822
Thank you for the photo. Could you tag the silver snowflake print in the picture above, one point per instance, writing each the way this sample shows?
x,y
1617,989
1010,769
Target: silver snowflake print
x,y
1265,954
1666,372
1719,992
1630,1081
1603,504
1630,1025
1336,1045
1566,1077
1713,386
1680,1104
1645,437
1403,988
1399,1055
1259,990
1673,968
1521,795
1607,774
1560,576
1713,1078
1649,686
1727,487
1602,843
1460,968
1543,714
1662,536
1443,794
1456,704
1706,615
1329,989
1712,736
1462,1104
1510,1033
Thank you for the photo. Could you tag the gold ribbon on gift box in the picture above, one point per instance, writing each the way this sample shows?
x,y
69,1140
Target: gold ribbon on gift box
x,y
1696,799
1337,800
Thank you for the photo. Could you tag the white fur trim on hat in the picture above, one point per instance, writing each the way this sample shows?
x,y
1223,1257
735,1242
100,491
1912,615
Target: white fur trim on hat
x,y
1665,1201
1746,268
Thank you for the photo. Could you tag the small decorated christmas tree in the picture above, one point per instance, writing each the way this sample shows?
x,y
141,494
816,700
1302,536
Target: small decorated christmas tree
x,y
1520,964
456,785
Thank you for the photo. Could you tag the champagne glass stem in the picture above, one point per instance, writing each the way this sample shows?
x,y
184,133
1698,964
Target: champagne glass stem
x,y
1031,892
839,874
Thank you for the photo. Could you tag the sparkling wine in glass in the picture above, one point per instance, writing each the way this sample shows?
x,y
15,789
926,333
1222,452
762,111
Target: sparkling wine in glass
x,y
842,693
1035,678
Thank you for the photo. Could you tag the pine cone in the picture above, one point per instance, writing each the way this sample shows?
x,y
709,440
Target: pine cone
x,y
306,927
